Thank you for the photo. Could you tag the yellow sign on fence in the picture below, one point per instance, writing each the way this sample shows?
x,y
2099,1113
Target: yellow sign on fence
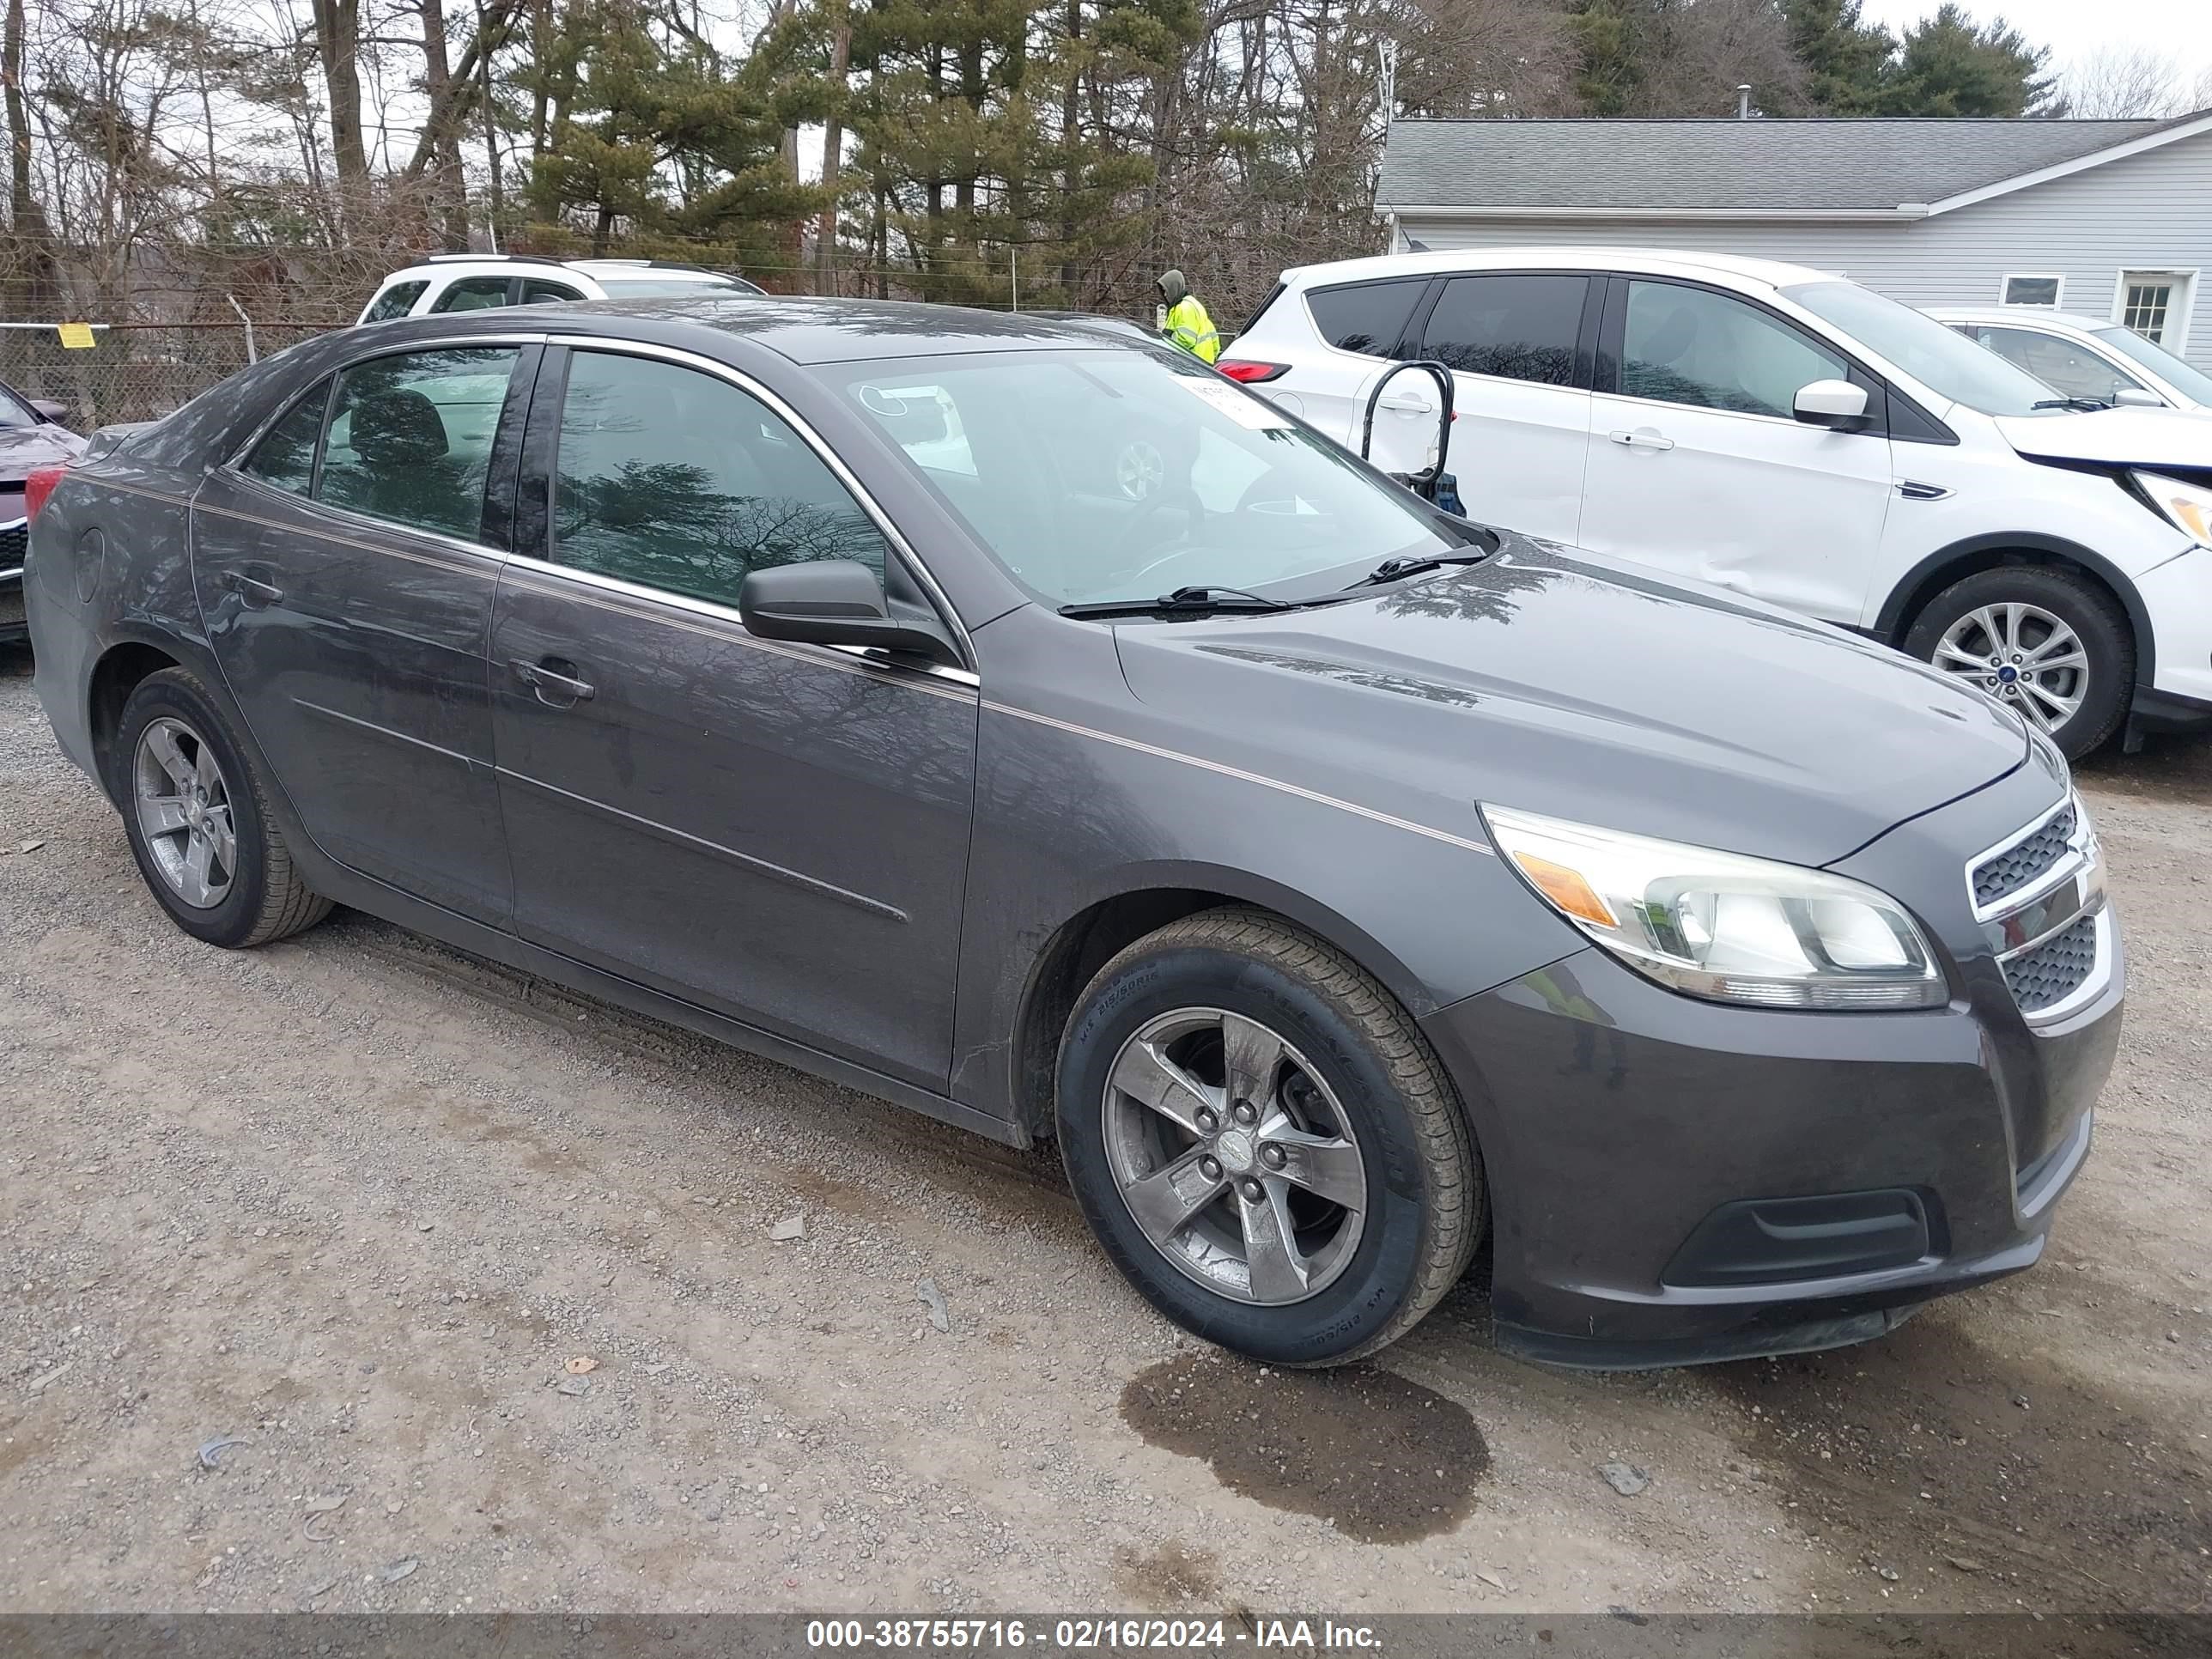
x,y
77,337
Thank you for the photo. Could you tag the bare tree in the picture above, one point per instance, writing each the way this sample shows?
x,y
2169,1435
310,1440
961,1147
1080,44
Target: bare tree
x,y
2116,83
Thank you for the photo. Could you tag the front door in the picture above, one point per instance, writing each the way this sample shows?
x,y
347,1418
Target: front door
x,y
1698,465
345,572
1520,398
777,832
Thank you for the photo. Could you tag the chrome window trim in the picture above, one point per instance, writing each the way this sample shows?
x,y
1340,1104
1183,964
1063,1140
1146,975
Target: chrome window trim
x,y
478,552
2082,851
235,461
893,537
853,659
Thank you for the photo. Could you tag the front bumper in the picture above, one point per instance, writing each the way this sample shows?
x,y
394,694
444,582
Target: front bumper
x,y
1644,1147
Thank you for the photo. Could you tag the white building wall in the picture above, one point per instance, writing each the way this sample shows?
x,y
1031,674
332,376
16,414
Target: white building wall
x,y
2150,212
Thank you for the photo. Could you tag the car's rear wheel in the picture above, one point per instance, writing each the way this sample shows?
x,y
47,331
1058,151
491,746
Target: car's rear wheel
x,y
1264,1142
198,822
2042,640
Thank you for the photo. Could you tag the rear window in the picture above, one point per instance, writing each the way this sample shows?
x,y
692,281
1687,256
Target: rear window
x,y
1368,318
1519,327
395,302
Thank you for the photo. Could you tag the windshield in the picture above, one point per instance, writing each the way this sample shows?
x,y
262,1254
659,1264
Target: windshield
x,y
1095,476
2191,382
1946,362
645,288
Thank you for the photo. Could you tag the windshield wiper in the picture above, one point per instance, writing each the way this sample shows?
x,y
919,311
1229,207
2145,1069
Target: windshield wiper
x,y
1184,601
2087,405
1413,564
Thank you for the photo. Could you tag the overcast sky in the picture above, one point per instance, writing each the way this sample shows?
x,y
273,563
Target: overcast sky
x,y
2076,29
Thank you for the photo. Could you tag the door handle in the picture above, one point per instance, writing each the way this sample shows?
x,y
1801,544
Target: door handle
x,y
1643,440
251,589
554,680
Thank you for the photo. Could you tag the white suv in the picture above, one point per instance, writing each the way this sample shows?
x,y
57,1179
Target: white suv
x,y
472,281
1789,435
2083,357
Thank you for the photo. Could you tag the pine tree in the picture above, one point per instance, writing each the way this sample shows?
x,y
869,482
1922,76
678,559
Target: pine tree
x,y
1846,60
1952,66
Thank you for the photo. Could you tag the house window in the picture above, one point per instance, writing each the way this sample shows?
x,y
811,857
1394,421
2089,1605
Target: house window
x,y
2155,305
2032,290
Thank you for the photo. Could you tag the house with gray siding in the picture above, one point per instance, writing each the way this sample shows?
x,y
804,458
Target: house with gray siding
x,y
2111,218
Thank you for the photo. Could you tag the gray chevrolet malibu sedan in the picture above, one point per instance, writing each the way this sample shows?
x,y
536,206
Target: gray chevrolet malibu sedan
x,y
1026,725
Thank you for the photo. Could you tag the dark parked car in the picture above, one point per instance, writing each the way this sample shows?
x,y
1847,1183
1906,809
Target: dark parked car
x,y
1340,882
31,434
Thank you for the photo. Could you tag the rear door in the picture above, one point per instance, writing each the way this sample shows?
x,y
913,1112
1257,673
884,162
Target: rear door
x,y
1514,342
345,569
777,832
1698,465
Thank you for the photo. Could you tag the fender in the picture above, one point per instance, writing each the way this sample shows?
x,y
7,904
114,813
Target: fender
x,y
1910,595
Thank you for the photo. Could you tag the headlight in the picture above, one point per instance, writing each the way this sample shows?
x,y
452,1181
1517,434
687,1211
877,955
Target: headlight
x,y
1720,926
2186,507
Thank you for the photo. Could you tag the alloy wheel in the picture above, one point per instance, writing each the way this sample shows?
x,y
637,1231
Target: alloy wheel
x,y
1234,1156
2020,654
183,805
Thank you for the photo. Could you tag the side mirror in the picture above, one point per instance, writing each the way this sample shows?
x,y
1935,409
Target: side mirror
x,y
839,602
47,409
2136,397
1836,404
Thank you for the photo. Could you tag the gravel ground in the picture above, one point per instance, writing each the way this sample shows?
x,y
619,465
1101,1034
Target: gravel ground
x,y
482,1282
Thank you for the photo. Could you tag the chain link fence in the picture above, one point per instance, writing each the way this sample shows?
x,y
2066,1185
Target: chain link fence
x,y
182,325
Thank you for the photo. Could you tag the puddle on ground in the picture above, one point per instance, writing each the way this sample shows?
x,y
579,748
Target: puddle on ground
x,y
1386,1460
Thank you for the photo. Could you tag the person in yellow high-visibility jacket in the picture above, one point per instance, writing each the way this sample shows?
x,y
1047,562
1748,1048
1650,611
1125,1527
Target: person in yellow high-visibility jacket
x,y
1187,324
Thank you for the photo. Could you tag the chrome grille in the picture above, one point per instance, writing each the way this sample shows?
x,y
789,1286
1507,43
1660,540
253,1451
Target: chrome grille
x,y
15,541
2037,852
2052,971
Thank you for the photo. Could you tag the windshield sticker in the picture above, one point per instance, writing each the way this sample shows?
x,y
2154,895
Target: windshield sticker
x,y
1240,407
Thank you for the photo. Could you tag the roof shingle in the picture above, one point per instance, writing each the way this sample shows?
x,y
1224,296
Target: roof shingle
x,y
1756,166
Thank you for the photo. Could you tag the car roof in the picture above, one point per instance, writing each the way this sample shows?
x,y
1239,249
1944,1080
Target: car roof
x,y
805,331
1658,262
2017,316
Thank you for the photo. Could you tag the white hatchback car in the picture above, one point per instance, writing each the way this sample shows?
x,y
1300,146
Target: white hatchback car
x,y
474,281
1789,435
2084,356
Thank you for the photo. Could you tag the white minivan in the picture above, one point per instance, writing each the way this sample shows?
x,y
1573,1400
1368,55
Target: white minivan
x,y
1790,435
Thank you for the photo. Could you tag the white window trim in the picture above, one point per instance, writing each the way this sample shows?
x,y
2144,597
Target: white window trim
x,y
2178,309
2004,289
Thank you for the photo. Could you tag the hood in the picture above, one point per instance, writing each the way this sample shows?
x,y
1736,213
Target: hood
x,y
22,447
1172,287
1562,683
2114,437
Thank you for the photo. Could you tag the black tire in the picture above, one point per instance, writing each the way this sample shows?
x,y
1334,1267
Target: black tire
x,y
2095,617
266,899
1424,1206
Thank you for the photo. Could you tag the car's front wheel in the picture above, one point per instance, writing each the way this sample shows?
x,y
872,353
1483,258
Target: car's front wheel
x,y
1264,1142
199,827
2043,640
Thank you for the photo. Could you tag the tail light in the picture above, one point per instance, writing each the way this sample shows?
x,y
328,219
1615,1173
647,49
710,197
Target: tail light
x,y
1251,372
38,483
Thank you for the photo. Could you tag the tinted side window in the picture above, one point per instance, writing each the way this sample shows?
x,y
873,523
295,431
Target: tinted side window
x,y
410,437
536,291
1367,317
285,457
679,480
473,294
395,302
1523,328
2059,364
1689,345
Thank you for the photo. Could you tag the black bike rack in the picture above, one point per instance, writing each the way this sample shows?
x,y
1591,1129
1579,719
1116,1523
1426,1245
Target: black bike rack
x,y
1429,480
